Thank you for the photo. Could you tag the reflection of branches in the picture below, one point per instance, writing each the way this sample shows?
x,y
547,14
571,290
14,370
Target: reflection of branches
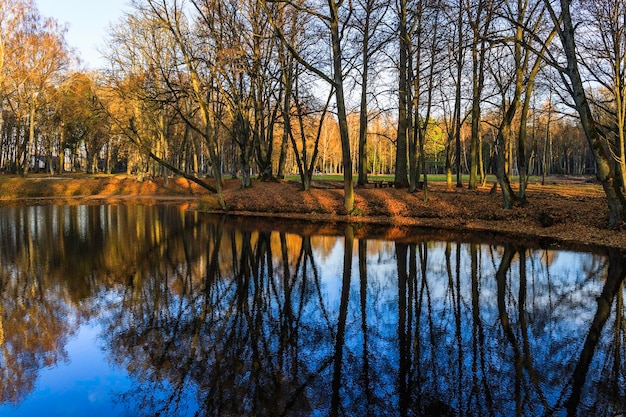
x,y
615,277
505,265
35,327
35,318
308,255
254,334
523,318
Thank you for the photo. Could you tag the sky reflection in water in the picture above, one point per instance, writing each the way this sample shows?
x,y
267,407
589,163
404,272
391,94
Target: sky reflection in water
x,y
113,310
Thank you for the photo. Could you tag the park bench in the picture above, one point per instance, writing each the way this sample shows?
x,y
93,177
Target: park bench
x,y
382,184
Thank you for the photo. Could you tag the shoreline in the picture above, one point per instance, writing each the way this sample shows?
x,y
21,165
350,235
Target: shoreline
x,y
577,211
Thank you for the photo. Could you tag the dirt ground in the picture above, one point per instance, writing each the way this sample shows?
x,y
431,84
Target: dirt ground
x,y
568,211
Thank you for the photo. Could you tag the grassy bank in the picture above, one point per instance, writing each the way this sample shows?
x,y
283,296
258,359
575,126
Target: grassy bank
x,y
82,185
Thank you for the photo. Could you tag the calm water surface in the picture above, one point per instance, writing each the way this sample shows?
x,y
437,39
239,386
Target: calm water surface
x,y
144,311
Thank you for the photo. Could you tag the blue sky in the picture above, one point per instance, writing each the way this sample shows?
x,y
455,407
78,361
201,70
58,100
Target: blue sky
x,y
88,22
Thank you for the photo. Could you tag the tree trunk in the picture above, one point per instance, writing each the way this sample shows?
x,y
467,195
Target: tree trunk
x,y
348,186
401,174
457,96
449,162
475,127
363,116
31,140
508,195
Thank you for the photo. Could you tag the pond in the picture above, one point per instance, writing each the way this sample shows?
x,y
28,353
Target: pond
x,y
158,310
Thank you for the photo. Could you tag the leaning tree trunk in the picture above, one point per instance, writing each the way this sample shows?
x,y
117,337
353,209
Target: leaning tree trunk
x,y
605,173
508,195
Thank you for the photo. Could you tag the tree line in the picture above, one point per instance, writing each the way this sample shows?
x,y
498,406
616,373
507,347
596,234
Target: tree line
x,y
206,88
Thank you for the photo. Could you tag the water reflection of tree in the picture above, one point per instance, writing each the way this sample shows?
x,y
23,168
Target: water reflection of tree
x,y
235,337
528,362
34,324
421,329
53,262
33,330
605,392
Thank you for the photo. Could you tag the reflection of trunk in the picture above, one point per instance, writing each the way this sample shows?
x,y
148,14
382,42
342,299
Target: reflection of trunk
x,y
262,267
479,370
618,343
343,315
614,279
503,270
365,375
213,265
243,271
285,328
401,258
425,296
455,295
527,355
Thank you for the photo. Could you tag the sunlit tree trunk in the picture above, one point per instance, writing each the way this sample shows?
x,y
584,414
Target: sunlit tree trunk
x,y
480,17
30,145
338,73
286,62
368,27
457,95
401,173
477,78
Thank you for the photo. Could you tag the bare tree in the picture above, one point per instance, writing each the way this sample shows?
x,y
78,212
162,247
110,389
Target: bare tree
x,y
572,78
603,51
248,73
427,73
525,19
480,15
155,70
335,20
367,23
